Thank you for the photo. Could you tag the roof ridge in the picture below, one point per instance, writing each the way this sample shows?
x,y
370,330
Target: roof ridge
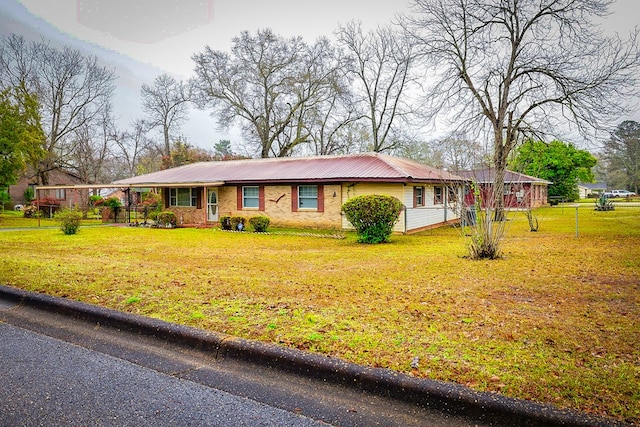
x,y
490,173
390,161
295,158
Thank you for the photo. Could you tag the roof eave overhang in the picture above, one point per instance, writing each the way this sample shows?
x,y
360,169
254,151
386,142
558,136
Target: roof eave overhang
x,y
132,185
343,180
175,184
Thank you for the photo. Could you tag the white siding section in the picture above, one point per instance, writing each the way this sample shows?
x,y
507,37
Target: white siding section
x,y
412,218
430,213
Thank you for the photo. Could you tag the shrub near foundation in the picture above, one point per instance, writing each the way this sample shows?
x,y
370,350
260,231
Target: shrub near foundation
x,y
237,223
225,222
166,219
259,223
373,216
232,223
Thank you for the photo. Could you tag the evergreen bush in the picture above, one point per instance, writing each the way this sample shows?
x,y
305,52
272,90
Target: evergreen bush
x,y
259,223
237,223
225,222
373,216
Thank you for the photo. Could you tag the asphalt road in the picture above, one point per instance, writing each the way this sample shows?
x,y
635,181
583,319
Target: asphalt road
x,y
56,370
48,382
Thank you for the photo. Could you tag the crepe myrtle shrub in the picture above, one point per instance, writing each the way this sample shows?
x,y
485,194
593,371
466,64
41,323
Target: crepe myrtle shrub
x,y
69,220
48,206
166,219
259,223
373,216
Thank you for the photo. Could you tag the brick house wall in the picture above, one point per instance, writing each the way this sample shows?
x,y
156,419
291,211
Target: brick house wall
x,y
67,198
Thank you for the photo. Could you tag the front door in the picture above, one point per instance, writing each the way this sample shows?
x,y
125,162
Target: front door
x,y
212,204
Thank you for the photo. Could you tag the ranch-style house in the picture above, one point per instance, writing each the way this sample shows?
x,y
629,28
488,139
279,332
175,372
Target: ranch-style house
x,y
304,191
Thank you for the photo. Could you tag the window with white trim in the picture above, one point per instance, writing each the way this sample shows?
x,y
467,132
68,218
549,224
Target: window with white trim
x,y
438,195
61,193
307,197
251,197
418,196
183,197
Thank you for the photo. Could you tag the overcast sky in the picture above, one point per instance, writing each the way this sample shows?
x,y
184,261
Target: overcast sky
x,y
144,38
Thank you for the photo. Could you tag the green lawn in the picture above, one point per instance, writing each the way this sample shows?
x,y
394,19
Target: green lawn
x,y
16,219
556,320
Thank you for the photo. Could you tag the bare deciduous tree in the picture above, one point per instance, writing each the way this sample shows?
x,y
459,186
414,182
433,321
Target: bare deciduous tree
x,y
456,152
133,145
268,83
330,117
72,90
166,102
521,69
380,61
90,148
337,131
459,152
17,63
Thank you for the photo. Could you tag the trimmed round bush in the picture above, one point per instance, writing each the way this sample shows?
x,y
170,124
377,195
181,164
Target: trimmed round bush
x,y
259,223
373,216
69,220
237,223
225,222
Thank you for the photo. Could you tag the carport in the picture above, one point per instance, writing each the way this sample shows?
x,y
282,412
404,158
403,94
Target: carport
x,y
128,189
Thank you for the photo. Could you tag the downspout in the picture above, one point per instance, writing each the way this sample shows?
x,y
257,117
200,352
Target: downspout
x,y
405,208
445,196
205,204
127,191
405,220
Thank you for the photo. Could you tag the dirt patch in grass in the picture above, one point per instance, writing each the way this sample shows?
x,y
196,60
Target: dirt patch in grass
x,y
556,320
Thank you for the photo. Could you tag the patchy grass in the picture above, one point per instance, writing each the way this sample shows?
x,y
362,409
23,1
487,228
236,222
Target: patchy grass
x,y
16,219
557,320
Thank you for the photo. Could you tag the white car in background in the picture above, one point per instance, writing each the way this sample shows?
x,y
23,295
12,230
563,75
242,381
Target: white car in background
x,y
619,193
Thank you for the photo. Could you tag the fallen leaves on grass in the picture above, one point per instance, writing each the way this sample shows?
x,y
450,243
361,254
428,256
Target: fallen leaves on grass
x,y
556,320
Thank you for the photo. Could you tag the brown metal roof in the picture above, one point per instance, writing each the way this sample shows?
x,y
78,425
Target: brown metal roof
x,y
372,167
487,176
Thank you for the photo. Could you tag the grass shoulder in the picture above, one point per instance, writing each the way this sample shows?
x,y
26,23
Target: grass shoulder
x,y
555,320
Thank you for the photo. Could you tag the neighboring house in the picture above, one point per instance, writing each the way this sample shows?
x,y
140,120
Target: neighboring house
x,y
65,197
586,190
520,190
306,191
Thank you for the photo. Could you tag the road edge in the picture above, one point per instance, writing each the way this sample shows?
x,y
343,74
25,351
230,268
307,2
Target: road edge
x,y
447,397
